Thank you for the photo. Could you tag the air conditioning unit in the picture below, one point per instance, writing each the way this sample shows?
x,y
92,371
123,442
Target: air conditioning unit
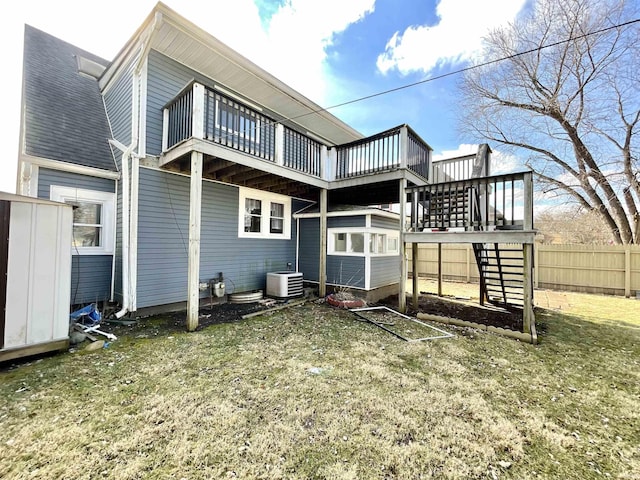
x,y
284,285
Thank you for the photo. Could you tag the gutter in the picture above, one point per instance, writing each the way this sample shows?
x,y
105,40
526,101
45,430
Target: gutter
x,y
130,182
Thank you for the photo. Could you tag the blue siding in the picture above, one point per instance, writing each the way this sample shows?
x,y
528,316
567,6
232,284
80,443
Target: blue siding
x,y
346,270
351,221
118,100
384,222
48,177
163,236
165,79
309,248
90,274
90,278
384,271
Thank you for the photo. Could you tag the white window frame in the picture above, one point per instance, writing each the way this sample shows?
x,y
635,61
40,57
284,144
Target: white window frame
x,y
107,201
265,222
367,232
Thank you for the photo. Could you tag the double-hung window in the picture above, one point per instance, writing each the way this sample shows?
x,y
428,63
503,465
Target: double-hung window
x,y
264,215
93,219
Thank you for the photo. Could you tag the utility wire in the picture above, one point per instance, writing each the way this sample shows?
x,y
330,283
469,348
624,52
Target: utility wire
x,y
431,79
465,69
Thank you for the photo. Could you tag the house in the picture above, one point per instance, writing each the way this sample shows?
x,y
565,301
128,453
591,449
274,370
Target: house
x,y
184,161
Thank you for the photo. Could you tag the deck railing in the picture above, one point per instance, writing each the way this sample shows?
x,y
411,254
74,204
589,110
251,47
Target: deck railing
x,y
208,114
395,148
234,125
302,153
460,168
501,202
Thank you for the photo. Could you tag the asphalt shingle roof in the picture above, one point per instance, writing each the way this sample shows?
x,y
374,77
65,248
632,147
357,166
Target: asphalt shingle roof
x,y
65,117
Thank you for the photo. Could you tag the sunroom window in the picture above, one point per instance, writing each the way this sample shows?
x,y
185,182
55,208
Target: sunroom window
x,y
352,241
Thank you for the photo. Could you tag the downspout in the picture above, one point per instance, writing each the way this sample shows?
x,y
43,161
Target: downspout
x,y
128,293
297,245
125,226
113,259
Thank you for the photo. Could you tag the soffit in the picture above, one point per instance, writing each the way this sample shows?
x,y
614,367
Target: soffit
x,y
188,44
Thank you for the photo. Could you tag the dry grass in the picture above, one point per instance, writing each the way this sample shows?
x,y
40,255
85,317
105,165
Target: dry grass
x,y
310,392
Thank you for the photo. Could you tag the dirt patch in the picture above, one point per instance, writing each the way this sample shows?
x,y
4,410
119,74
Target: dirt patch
x,y
462,309
176,321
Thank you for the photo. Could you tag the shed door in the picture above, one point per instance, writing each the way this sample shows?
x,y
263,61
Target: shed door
x,y
5,214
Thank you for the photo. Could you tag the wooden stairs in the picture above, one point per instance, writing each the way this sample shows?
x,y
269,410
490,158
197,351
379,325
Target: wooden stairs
x,y
501,268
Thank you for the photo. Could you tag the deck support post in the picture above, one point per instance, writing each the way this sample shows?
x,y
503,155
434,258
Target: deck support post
x,y
415,253
195,203
528,318
322,269
439,269
402,296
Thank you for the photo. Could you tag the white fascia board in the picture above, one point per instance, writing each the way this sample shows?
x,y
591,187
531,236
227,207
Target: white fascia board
x,y
129,51
70,167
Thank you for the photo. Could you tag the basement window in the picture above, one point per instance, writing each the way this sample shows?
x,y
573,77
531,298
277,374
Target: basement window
x,y
264,215
93,219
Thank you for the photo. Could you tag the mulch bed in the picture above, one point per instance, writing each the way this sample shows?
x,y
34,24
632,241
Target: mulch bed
x,y
463,310
229,312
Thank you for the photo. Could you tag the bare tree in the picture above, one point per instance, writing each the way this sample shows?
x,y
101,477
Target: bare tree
x,y
570,106
572,225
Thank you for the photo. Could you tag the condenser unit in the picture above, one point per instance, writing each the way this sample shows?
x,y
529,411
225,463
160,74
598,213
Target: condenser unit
x,y
284,284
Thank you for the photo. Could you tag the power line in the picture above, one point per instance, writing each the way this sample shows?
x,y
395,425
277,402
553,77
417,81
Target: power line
x,y
437,77
462,70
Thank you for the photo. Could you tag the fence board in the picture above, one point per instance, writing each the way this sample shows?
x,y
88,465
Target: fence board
x,y
604,269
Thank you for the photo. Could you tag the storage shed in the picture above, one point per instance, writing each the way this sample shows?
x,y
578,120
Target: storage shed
x,y
35,282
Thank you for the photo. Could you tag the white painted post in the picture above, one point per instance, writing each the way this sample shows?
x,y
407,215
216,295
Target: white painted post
x,y
332,171
197,127
402,299
279,144
325,163
195,201
322,270
404,144
165,129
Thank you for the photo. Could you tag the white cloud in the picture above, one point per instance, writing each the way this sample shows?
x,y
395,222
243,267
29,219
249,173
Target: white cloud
x,y
501,162
456,38
291,46
298,36
463,149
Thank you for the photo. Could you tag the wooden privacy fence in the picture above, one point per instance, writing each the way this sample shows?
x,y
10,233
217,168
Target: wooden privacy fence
x,y
605,269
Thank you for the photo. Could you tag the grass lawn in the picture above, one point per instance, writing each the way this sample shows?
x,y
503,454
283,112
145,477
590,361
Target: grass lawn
x,y
310,392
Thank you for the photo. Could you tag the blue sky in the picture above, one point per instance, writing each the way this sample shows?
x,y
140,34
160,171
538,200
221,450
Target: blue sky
x,y
332,51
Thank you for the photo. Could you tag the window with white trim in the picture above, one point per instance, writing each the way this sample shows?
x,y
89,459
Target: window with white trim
x,y
93,218
352,241
264,215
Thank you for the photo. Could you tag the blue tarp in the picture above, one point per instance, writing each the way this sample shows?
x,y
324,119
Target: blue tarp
x,y
89,315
